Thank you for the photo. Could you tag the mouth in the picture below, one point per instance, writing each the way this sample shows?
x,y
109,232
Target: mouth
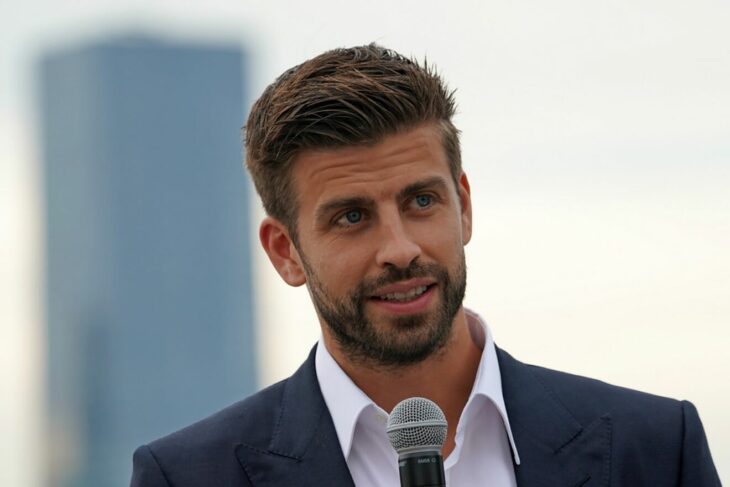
x,y
405,298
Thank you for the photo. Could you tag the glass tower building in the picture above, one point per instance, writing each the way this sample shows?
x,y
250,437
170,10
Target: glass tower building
x,y
148,264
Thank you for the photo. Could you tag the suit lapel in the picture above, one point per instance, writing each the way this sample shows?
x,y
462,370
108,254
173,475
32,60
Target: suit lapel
x,y
304,448
555,449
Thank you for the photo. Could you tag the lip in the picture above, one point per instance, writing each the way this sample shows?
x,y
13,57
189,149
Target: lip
x,y
416,306
403,286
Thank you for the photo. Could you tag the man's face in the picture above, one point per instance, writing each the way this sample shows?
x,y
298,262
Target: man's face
x,y
381,232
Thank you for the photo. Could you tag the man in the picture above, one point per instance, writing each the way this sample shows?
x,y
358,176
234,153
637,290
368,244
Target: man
x,y
358,166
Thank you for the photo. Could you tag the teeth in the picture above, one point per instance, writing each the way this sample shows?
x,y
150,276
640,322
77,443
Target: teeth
x,y
416,291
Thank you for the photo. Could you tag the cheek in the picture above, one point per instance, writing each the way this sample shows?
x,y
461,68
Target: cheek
x,y
342,265
444,247
446,235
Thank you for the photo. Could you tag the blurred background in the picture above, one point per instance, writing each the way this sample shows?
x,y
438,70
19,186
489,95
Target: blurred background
x,y
134,298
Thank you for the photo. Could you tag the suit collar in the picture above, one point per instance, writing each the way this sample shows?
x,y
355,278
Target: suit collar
x,y
304,449
555,448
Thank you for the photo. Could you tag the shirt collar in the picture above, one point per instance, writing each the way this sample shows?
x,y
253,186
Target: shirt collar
x,y
488,382
347,402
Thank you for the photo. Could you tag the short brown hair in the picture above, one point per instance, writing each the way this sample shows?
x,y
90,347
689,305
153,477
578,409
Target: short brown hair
x,y
343,97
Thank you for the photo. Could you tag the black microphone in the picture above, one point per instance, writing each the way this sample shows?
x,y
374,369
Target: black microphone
x,y
417,430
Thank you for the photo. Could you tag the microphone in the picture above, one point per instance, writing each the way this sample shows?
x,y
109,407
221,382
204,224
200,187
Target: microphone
x,y
417,430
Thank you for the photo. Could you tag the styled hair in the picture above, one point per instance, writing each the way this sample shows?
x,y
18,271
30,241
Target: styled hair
x,y
343,97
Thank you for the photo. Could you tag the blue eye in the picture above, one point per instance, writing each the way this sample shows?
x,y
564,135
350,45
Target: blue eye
x,y
423,200
353,216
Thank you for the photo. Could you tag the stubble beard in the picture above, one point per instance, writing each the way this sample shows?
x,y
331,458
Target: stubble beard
x,y
405,340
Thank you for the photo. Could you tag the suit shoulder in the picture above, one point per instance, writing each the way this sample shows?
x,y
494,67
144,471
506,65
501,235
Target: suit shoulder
x,y
250,420
649,439
586,397
581,385
204,453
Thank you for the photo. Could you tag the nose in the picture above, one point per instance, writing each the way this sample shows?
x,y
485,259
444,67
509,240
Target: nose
x,y
397,248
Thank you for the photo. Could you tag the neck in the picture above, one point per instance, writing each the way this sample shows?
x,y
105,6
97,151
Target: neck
x,y
446,377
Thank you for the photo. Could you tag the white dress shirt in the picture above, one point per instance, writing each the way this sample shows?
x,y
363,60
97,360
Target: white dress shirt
x,y
482,454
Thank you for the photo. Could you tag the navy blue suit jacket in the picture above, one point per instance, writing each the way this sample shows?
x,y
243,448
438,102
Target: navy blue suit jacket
x,y
570,431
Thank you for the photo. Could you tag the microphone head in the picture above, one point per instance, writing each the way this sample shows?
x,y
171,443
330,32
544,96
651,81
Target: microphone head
x,y
416,424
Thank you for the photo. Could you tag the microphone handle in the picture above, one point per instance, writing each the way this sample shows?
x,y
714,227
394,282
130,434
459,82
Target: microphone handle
x,y
422,469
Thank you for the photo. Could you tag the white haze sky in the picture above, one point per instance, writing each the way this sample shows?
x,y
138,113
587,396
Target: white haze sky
x,y
597,140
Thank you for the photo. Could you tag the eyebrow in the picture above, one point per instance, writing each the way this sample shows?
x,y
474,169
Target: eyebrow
x,y
435,182
340,203
323,212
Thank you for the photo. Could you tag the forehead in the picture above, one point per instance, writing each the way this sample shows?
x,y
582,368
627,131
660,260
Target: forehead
x,y
378,168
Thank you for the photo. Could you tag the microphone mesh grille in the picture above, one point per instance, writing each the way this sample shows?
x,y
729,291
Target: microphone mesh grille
x,y
404,430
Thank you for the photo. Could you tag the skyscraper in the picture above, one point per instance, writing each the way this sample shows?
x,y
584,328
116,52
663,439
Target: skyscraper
x,y
149,284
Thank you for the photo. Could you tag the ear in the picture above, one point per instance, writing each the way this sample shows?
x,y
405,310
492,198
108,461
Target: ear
x,y
465,200
282,253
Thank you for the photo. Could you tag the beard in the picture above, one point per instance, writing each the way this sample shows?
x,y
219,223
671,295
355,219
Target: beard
x,y
407,340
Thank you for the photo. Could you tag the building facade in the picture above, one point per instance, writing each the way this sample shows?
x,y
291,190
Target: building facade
x,y
148,266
